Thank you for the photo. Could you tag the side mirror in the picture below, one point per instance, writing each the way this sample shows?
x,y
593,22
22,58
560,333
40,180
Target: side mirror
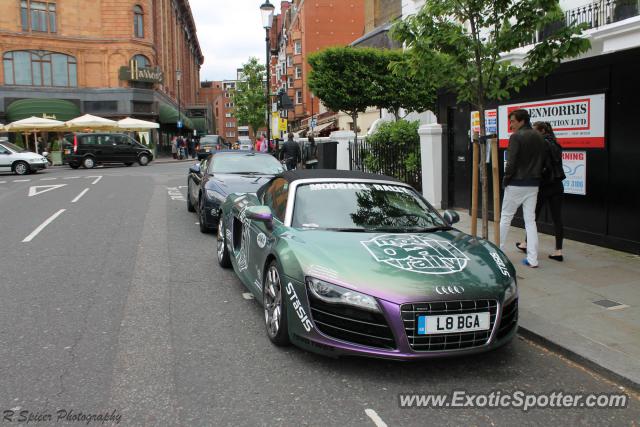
x,y
45,153
260,213
451,217
195,168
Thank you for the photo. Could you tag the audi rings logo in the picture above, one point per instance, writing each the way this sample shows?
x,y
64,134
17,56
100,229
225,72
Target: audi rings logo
x,y
449,290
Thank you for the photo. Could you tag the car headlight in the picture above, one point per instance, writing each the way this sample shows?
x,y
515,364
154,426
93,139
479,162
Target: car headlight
x,y
511,292
334,294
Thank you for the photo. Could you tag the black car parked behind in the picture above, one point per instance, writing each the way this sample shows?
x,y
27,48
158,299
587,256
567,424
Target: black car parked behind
x,y
90,149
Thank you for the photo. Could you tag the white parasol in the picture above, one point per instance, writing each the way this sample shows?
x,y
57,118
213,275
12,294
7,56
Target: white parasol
x,y
91,122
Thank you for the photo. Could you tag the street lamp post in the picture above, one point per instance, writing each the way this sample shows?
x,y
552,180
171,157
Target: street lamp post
x,y
178,77
267,21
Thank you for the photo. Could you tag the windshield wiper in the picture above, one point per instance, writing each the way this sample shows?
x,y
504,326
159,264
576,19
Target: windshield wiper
x,y
411,230
345,229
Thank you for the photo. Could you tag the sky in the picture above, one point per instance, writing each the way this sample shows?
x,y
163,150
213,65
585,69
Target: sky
x,y
229,32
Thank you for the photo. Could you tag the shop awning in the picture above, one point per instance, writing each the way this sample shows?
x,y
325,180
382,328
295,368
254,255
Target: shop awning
x,y
169,116
56,109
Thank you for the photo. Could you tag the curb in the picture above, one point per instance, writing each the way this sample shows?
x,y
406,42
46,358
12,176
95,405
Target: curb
x,y
578,358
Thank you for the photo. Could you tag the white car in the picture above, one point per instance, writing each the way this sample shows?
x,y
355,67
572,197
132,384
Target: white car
x,y
20,161
245,144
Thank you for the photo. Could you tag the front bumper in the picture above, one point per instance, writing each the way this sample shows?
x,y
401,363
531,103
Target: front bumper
x,y
391,335
38,165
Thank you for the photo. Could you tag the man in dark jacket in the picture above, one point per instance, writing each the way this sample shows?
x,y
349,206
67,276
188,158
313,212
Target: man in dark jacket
x,y
291,153
525,160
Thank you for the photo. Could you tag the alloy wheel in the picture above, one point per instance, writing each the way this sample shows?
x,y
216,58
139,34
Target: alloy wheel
x,y
273,302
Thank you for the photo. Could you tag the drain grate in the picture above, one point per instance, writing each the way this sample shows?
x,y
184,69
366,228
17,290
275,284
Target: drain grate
x,y
607,303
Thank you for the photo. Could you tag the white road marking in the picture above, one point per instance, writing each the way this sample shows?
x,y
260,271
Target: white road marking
x,y
97,178
21,180
80,195
47,179
247,295
618,307
3,182
34,190
42,226
71,177
182,186
375,418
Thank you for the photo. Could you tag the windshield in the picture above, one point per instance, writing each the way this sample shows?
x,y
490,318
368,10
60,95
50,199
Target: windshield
x,y
208,140
362,207
245,163
14,147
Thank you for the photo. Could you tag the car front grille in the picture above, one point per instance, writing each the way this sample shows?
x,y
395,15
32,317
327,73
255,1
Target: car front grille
x,y
351,324
453,341
509,319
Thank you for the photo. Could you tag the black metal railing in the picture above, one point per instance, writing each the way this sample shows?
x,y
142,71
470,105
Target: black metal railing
x,y
388,159
601,13
594,15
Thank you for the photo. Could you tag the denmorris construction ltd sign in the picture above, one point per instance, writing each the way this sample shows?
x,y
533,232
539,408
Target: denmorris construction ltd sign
x,y
578,122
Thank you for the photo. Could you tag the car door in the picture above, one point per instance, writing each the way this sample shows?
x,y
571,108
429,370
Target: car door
x,y
100,145
261,237
5,157
123,149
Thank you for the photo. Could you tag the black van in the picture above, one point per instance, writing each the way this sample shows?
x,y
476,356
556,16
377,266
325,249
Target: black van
x,y
90,149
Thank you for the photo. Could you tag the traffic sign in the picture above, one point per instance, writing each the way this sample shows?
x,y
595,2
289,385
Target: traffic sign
x,y
179,124
314,122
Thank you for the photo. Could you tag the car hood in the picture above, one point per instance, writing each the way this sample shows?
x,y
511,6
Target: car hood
x,y
237,183
404,267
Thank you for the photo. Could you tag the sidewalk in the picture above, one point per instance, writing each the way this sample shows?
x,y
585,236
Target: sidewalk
x,y
587,307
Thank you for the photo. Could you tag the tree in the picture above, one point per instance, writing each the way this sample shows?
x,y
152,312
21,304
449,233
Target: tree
x,y
462,41
249,97
344,79
402,89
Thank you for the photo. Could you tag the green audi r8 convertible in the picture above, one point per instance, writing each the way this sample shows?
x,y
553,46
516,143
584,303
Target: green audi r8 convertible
x,y
351,263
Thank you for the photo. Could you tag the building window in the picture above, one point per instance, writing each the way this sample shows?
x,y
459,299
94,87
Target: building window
x,y
101,106
228,115
298,97
229,105
230,124
289,61
297,47
39,68
138,21
38,15
290,81
230,134
142,61
298,72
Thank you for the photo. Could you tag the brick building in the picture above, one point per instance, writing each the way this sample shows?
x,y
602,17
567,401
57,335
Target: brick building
x,y
304,27
112,58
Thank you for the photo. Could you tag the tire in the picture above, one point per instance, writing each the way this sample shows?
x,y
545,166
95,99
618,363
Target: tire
x,y
275,310
21,168
202,217
221,247
143,159
128,164
88,163
190,206
73,166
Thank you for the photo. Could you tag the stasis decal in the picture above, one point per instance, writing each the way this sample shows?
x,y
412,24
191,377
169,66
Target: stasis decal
x,y
417,253
297,306
500,264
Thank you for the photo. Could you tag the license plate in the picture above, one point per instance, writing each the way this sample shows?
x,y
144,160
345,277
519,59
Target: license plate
x,y
452,323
